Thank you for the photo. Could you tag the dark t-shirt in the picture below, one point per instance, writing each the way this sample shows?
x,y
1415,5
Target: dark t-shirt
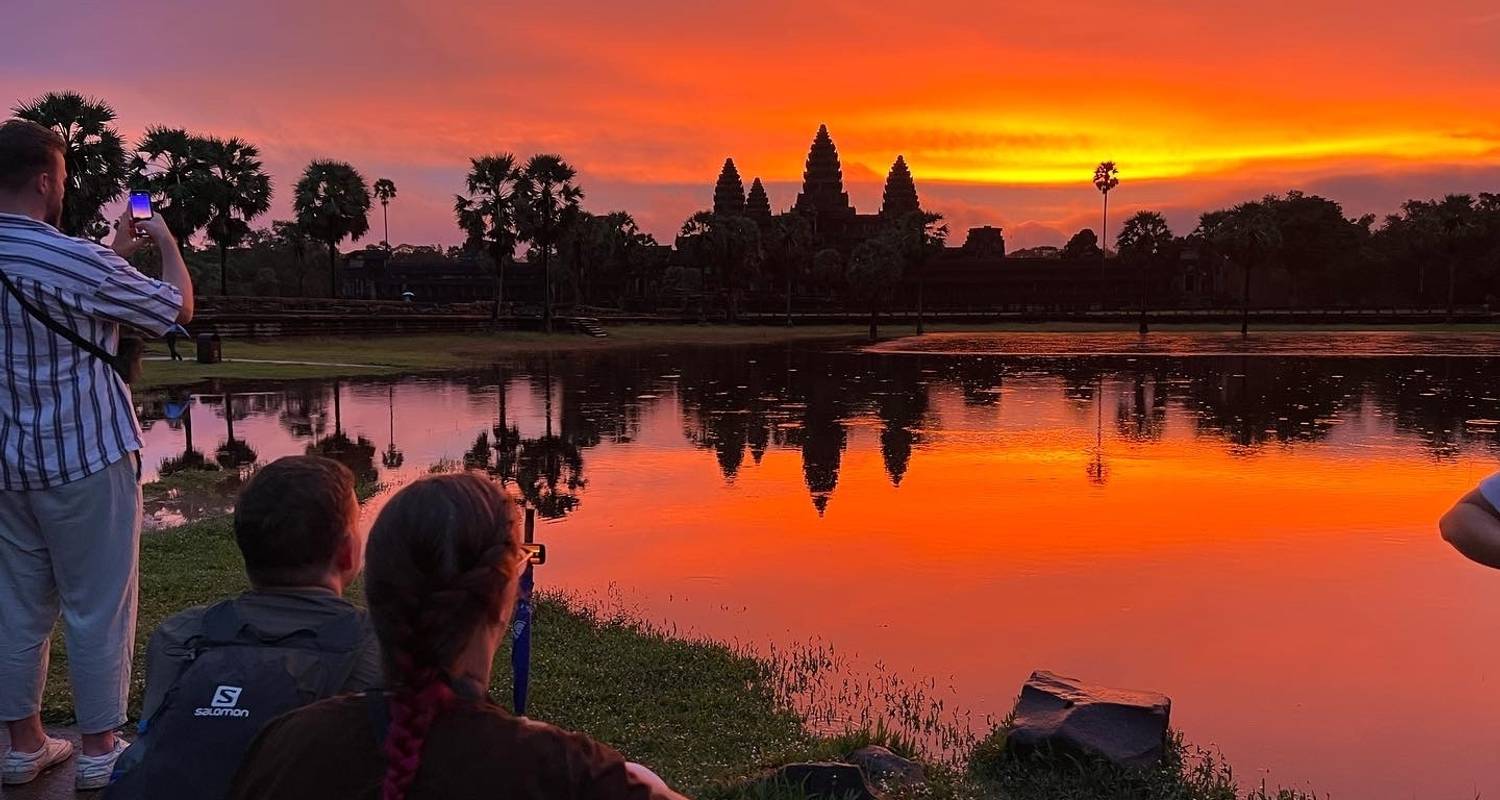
x,y
475,750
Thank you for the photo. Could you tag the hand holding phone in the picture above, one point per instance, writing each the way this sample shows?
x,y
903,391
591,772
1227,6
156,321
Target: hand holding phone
x,y
140,206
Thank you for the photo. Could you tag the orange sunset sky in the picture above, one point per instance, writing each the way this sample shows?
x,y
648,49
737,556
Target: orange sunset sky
x,y
1002,109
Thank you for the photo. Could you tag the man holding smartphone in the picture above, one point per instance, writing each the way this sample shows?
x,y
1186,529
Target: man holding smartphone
x,y
70,499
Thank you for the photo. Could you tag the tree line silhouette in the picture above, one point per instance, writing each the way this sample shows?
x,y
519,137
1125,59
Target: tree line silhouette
x,y
1430,253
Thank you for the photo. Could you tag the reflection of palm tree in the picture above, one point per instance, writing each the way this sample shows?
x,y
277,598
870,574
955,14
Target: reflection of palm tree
x,y
507,440
392,458
356,454
1099,471
498,456
549,469
550,476
233,453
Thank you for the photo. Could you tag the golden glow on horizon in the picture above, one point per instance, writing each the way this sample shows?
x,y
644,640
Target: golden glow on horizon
x,y
999,108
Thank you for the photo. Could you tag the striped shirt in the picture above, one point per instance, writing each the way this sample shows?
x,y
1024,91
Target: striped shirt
x,y
65,414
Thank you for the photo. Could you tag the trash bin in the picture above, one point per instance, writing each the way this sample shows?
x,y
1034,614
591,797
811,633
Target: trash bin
x,y
210,348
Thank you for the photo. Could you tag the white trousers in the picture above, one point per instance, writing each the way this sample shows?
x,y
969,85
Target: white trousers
x,y
72,548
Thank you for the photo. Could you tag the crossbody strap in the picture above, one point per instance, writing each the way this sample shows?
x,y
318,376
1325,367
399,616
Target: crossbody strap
x,y
57,327
377,704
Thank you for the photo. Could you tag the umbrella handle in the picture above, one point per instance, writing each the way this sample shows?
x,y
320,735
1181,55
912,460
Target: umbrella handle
x,y
520,651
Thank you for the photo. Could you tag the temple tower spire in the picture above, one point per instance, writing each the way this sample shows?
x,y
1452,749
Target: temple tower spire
x,y
823,181
729,193
758,203
900,200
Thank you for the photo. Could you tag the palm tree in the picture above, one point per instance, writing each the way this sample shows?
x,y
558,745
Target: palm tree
x,y
1248,232
488,216
290,235
1144,238
385,190
874,272
168,163
237,190
730,246
1106,177
1455,218
95,156
601,246
332,204
918,238
791,247
548,205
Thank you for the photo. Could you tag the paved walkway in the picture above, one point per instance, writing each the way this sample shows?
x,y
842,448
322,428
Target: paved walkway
x,y
282,363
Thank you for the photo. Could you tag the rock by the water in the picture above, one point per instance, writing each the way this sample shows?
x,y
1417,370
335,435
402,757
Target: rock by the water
x,y
1124,726
825,779
885,768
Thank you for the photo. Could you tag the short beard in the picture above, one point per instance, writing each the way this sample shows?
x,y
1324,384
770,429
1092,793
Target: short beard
x,y
55,214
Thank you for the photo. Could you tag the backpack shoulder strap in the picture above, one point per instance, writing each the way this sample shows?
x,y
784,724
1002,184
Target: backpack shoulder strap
x,y
222,622
56,327
380,715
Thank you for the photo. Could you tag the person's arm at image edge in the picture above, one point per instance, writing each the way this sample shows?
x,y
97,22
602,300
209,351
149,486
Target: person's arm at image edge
x,y
1472,526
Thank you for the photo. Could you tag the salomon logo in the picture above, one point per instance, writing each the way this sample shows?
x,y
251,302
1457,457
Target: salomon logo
x,y
223,704
227,697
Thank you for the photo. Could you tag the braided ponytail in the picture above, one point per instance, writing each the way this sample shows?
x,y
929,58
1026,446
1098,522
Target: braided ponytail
x,y
440,558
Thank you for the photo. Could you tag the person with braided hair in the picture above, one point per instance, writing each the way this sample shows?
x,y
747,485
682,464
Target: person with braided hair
x,y
442,568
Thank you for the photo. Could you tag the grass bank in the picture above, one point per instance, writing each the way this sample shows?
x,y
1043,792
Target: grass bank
x,y
354,356
332,357
697,712
705,716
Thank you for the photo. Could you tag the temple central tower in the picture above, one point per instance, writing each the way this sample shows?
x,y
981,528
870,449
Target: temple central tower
x,y
823,194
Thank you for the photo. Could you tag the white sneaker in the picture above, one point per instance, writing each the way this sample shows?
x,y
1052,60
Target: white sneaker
x,y
22,768
94,771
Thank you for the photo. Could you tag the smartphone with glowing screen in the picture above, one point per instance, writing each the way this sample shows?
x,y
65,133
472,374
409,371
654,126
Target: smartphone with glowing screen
x,y
140,206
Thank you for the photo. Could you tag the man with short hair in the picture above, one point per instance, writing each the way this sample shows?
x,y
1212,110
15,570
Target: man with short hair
x,y
70,501
297,526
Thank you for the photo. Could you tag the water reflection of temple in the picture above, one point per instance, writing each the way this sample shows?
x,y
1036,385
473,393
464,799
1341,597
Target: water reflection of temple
x,y
818,404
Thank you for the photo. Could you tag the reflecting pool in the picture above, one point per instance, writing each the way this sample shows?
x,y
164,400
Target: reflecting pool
x,y
1252,533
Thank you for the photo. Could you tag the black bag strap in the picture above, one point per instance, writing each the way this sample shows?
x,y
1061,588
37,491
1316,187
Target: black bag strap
x,y
380,716
223,625
57,327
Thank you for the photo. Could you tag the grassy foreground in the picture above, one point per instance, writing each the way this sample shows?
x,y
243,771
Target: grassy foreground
x,y
697,712
703,715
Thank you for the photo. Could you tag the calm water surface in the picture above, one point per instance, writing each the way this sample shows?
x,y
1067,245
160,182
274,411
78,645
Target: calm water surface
x,y
1253,534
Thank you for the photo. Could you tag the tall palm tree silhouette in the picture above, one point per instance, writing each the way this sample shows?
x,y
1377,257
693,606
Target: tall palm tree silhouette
x,y
549,207
331,204
238,190
488,216
95,156
1106,177
385,191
